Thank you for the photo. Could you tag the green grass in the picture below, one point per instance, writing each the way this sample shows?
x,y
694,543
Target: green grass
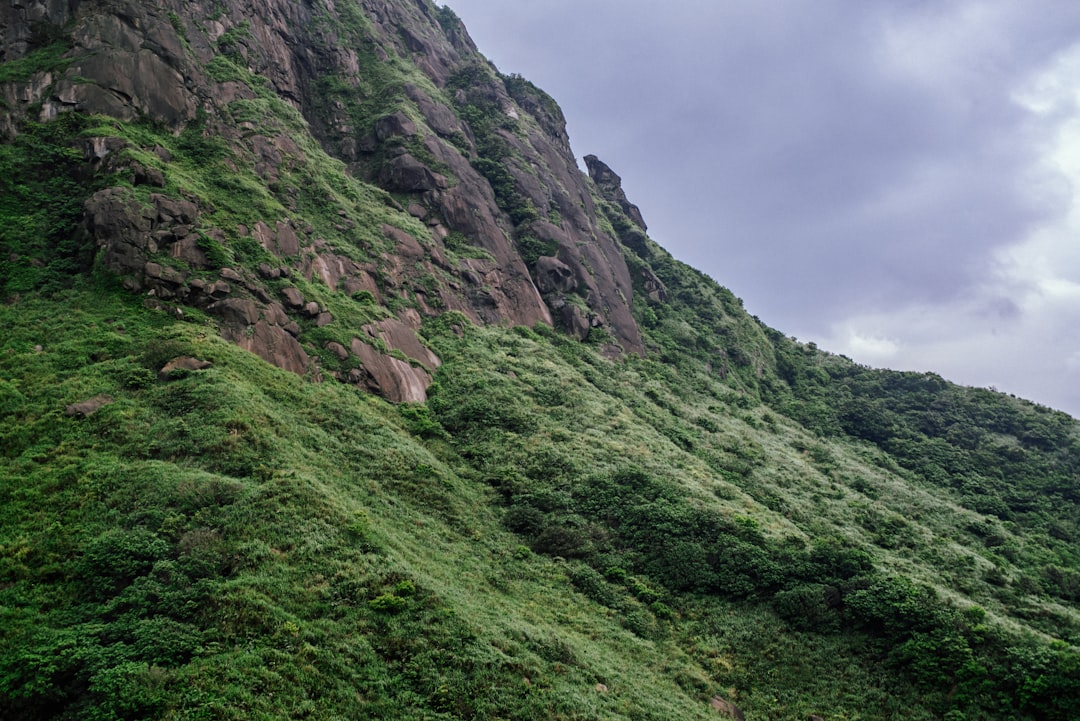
x,y
239,541
47,59
221,542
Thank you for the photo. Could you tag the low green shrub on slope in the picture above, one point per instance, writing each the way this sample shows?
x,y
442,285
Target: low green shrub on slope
x,y
236,542
553,535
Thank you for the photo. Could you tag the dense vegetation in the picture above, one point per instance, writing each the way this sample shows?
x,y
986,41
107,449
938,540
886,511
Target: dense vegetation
x,y
553,535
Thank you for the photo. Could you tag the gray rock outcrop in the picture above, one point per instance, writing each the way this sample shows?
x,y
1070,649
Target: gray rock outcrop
x,y
171,62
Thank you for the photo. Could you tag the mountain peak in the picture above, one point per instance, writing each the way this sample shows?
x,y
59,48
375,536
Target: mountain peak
x,y
610,186
477,165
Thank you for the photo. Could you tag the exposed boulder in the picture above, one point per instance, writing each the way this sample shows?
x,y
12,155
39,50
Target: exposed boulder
x,y
288,242
173,210
545,173
126,85
338,350
236,311
281,240
597,273
88,407
293,297
575,321
232,275
394,379
726,708
405,244
182,363
470,209
121,227
337,272
274,154
21,21
201,293
409,30
439,117
553,275
128,63
128,234
17,98
654,287
390,377
399,336
147,175
270,342
186,249
397,124
406,174
98,148
156,271
361,281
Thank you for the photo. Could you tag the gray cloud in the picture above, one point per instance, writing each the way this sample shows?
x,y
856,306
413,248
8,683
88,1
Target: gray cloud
x,y
824,160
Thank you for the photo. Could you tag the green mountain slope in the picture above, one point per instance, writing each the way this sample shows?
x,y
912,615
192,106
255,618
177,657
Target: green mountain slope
x,y
330,388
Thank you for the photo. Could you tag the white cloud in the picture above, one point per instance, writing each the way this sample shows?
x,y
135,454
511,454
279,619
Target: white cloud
x,y
945,44
872,349
1017,328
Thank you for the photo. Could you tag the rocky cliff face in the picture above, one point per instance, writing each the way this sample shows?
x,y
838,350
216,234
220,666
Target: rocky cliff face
x,y
482,208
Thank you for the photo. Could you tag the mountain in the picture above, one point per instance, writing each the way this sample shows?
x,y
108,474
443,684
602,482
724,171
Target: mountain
x,y
330,387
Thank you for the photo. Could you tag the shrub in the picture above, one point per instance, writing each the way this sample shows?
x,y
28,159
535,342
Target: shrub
x,y
524,519
641,623
138,378
117,557
419,421
615,573
388,603
158,352
567,541
661,610
405,588
532,248
893,607
593,585
808,608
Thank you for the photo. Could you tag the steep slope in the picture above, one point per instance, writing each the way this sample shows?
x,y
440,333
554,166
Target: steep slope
x,y
605,490
478,167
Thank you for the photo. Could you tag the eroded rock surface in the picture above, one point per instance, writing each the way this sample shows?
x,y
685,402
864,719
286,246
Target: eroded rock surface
x,y
610,186
169,61
390,377
727,709
272,343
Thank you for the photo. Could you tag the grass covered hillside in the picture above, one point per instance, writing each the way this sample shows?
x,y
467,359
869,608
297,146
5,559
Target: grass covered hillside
x,y
553,535
340,393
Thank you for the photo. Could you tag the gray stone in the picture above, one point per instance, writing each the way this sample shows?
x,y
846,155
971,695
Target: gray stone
x,y
182,363
553,275
88,407
397,124
293,297
236,311
407,174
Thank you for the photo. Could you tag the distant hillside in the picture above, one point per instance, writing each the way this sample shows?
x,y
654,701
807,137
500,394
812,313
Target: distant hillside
x,y
330,387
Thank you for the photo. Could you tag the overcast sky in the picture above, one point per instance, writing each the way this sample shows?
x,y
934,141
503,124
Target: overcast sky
x,y
896,180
